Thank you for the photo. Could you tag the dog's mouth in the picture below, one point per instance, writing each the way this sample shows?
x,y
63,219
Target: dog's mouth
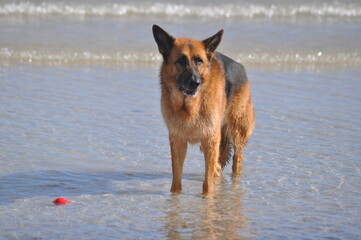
x,y
189,92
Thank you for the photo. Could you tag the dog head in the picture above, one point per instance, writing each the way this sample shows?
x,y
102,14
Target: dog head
x,y
185,60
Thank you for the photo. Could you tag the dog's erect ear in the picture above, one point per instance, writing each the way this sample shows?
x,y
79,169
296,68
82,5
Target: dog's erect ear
x,y
164,41
212,43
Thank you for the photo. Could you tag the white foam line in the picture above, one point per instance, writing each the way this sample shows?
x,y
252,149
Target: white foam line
x,y
141,58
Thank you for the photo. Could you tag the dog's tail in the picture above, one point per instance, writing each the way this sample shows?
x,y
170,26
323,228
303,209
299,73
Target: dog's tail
x,y
224,150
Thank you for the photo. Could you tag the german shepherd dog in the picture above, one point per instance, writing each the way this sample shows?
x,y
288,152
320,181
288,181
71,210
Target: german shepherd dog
x,y
206,99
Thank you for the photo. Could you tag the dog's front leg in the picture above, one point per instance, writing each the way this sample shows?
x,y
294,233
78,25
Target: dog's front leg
x,y
178,149
210,148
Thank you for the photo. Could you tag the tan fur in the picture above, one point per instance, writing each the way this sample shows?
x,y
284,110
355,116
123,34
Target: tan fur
x,y
205,118
239,124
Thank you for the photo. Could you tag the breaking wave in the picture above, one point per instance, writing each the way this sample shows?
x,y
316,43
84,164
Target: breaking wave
x,y
320,10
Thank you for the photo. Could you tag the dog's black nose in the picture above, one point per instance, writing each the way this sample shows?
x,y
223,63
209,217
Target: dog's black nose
x,y
194,83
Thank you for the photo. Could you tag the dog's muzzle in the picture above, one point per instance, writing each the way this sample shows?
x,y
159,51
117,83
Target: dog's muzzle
x,y
189,83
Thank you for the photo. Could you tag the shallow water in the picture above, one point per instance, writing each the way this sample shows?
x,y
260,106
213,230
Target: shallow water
x,y
80,118
96,136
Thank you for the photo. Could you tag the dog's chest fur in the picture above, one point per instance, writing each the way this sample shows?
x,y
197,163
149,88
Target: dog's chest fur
x,y
190,118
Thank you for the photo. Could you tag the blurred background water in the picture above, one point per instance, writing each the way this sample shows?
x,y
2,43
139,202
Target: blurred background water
x,y
80,118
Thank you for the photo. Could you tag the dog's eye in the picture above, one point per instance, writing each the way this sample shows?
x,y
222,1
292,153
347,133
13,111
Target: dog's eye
x,y
182,60
198,61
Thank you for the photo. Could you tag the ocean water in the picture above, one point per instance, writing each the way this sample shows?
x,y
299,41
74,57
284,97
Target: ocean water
x,y
80,118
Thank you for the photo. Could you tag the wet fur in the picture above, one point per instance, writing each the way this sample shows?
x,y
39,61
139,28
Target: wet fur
x,y
219,116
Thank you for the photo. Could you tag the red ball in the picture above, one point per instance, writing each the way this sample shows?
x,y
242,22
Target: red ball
x,y
61,201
